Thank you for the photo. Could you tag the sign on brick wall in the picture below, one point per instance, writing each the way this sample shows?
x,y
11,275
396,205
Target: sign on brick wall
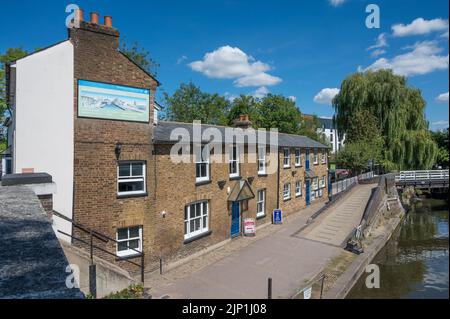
x,y
113,102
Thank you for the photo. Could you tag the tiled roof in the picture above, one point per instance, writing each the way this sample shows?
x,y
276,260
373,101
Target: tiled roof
x,y
163,131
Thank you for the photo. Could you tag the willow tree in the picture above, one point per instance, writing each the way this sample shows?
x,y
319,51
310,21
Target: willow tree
x,y
399,110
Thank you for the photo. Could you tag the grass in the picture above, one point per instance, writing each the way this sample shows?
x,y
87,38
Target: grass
x,y
336,267
132,292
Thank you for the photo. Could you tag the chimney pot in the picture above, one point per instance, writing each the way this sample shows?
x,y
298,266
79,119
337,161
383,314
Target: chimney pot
x,y
94,18
108,21
80,15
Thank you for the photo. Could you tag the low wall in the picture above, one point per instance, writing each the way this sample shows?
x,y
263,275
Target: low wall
x,y
110,278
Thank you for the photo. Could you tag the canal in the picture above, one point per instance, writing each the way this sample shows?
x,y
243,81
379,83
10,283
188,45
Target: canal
x,y
414,263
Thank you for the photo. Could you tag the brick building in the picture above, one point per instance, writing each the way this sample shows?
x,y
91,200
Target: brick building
x,y
85,113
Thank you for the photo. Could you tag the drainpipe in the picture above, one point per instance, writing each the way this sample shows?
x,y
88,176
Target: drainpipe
x,y
278,178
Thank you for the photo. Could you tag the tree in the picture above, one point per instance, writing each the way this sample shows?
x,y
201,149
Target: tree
x,y
244,105
141,57
10,55
399,112
309,126
364,142
276,111
189,103
441,139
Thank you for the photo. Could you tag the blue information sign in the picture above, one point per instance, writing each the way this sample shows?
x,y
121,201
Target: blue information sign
x,y
277,216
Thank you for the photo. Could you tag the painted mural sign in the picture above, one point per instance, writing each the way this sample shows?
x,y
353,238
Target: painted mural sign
x,y
113,102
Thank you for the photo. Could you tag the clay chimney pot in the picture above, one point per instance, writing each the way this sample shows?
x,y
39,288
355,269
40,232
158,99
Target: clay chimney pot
x,y
94,18
108,21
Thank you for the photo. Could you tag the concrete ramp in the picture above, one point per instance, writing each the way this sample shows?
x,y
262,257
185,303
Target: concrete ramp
x,y
334,226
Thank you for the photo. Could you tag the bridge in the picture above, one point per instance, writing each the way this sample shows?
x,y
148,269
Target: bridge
x,y
423,179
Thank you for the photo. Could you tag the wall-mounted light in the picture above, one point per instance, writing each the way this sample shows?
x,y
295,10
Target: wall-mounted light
x,y
221,184
118,150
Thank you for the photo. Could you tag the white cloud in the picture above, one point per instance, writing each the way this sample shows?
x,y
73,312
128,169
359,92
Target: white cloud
x,y
444,35
292,98
377,52
440,123
260,92
442,98
181,59
381,42
326,96
419,26
422,59
336,3
232,63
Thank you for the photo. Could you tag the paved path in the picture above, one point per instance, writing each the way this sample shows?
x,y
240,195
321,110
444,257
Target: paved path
x,y
279,252
334,227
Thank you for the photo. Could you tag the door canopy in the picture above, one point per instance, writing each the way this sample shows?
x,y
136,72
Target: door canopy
x,y
241,191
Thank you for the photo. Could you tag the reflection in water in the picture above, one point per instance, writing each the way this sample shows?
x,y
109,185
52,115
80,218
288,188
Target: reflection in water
x,y
414,263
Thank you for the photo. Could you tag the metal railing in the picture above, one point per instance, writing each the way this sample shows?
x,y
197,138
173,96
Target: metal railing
x,y
410,176
340,186
104,239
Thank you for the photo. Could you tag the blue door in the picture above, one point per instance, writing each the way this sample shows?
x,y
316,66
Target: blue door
x,y
307,160
308,193
235,219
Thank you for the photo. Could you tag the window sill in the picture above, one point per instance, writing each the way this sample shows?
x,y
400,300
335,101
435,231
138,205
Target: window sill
x,y
298,166
124,196
286,167
201,183
263,174
190,240
235,178
287,199
127,257
298,196
261,217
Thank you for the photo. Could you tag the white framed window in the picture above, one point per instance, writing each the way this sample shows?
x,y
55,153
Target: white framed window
x,y
324,157
322,182
298,157
298,189
202,160
287,191
261,204
286,157
316,157
129,241
262,160
234,161
196,219
131,178
315,183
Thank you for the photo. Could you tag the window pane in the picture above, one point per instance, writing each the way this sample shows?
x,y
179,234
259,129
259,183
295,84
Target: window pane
x,y
205,223
124,170
205,208
122,233
138,169
197,224
134,244
131,186
122,246
198,170
134,232
198,210
186,228
192,211
192,226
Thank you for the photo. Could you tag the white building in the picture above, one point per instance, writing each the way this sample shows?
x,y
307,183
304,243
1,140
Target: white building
x,y
328,127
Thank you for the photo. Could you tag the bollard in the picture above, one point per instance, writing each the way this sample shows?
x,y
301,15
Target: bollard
x,y
160,266
269,289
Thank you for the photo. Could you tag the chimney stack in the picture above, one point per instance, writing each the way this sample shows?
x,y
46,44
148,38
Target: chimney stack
x,y
243,122
108,22
94,18
80,15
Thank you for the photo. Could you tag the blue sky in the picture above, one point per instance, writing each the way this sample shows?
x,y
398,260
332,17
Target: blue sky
x,y
295,48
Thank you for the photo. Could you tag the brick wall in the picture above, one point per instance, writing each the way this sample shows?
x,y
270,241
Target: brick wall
x,y
297,173
95,182
176,187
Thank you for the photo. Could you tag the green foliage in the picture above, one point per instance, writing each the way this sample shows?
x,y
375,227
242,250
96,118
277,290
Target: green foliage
x,y
189,103
441,139
277,111
141,57
243,105
399,112
10,55
132,292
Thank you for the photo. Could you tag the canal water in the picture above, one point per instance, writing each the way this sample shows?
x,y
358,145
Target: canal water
x,y
414,263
